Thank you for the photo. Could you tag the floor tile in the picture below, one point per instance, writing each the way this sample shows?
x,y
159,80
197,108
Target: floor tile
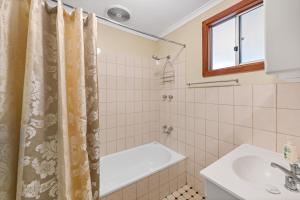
x,y
184,193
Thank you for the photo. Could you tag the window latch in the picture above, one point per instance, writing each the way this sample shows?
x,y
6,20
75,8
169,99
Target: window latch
x,y
236,48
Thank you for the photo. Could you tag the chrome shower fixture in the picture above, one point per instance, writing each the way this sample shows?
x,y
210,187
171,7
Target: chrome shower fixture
x,y
162,58
157,58
164,97
167,130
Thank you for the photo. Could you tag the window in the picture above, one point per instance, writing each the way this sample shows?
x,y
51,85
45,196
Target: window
x,y
233,40
223,42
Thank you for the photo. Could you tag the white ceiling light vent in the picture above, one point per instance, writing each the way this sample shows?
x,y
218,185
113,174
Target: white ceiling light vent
x,y
118,13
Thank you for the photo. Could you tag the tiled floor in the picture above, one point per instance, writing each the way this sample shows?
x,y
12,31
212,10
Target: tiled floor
x,y
184,193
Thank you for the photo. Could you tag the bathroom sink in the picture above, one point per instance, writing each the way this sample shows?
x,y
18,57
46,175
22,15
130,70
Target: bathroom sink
x,y
254,169
246,173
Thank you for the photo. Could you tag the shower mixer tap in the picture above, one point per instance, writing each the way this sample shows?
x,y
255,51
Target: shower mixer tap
x,y
167,130
164,97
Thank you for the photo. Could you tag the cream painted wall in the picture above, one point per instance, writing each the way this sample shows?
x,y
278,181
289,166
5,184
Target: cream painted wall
x,y
115,41
191,34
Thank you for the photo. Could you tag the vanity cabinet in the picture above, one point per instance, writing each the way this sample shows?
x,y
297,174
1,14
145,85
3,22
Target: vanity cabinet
x,y
282,39
214,192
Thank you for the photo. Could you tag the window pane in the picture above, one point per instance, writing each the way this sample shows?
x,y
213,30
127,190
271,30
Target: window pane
x,y
252,35
223,42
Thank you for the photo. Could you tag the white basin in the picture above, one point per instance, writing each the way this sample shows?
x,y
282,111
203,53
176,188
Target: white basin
x,y
245,173
254,169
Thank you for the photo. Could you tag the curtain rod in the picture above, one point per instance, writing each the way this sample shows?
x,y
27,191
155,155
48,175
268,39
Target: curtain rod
x,y
127,27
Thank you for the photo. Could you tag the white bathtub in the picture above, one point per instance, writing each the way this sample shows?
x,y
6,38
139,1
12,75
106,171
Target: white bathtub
x,y
126,167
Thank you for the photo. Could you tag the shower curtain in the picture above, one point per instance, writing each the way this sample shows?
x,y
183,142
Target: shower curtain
x,y
49,122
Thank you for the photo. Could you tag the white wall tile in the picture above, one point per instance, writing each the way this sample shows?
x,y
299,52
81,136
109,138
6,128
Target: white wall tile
x,y
289,121
200,126
190,109
114,196
210,158
243,116
242,135
190,95
226,113
181,95
190,123
226,132
200,95
284,139
111,147
264,139
129,192
181,108
264,118
289,96
190,151
243,95
200,156
264,95
200,141
212,146
212,95
226,95
127,82
212,128
200,110
225,148
190,138
212,112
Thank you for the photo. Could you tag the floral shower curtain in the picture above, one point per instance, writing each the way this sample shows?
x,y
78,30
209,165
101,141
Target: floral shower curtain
x,y
49,122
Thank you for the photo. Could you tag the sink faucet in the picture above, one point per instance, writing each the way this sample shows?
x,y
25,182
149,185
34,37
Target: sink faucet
x,y
291,176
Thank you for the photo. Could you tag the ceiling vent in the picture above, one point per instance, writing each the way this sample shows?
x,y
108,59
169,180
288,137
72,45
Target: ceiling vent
x,y
118,13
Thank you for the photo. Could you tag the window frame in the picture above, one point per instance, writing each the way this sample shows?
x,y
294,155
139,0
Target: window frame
x,y
235,10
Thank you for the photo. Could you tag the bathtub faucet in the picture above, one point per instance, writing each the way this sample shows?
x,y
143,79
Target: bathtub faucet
x,y
169,130
164,128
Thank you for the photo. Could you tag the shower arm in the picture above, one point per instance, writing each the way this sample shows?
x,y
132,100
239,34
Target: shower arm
x,y
162,58
127,27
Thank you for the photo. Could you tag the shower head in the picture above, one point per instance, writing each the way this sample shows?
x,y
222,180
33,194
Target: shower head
x,y
157,58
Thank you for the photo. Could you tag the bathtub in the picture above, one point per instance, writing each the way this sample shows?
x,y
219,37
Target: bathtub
x,y
124,168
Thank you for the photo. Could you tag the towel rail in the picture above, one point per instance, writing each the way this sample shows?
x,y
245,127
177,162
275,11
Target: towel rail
x,y
202,84
210,82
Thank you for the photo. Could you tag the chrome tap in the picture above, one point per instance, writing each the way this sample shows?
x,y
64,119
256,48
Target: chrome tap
x,y
164,128
291,176
164,97
295,168
170,97
169,130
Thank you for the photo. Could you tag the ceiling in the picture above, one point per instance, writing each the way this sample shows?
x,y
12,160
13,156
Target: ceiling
x,y
157,17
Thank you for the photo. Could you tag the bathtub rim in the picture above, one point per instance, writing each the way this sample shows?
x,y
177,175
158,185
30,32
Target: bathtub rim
x,y
134,180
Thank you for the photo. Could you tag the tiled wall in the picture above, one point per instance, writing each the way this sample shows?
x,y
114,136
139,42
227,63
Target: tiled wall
x,y
154,187
209,122
128,102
